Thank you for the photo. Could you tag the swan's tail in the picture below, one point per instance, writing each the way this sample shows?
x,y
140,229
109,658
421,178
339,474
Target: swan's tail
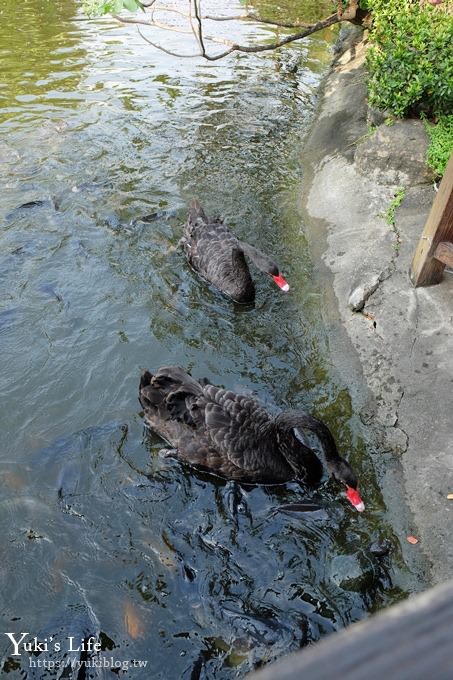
x,y
196,212
166,394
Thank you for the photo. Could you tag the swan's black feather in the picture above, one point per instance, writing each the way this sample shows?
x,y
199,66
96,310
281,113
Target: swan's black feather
x,y
217,255
231,434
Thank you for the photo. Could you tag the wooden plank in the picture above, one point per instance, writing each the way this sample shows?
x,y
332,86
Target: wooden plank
x,y
425,269
410,641
444,253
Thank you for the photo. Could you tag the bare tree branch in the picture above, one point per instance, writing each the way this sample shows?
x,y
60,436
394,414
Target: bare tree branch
x,y
280,24
253,17
150,24
196,18
207,17
259,20
330,21
238,17
200,28
163,49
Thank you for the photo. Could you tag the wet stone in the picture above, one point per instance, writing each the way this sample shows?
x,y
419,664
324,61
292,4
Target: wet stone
x,y
380,548
352,573
361,292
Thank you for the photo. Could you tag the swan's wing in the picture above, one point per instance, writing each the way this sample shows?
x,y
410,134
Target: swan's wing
x,y
210,245
235,426
199,453
212,248
211,428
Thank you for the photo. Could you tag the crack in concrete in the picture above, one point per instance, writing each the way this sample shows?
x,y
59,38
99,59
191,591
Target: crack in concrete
x,y
415,327
386,273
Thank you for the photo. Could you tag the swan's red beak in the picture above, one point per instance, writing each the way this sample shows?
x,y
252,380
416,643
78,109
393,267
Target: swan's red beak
x,y
353,497
281,282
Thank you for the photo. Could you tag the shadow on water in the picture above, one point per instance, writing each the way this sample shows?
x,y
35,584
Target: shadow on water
x,y
102,537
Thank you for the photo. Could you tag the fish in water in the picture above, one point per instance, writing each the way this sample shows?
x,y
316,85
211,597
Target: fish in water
x,y
32,204
298,507
161,214
50,290
29,206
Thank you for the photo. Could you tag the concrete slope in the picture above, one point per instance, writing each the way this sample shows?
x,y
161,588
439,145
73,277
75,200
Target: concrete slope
x,y
399,339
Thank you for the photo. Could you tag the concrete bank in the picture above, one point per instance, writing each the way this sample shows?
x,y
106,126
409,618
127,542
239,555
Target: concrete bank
x,y
396,340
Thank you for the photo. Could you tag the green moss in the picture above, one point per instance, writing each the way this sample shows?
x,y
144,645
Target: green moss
x,y
389,214
441,144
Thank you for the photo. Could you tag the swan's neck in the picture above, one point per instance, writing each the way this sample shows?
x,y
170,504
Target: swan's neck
x,y
302,459
288,420
259,259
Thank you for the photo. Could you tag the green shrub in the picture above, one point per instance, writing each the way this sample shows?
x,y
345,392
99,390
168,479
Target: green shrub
x,y
97,7
409,60
441,143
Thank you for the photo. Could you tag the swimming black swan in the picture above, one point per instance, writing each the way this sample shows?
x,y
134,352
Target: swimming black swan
x,y
215,253
233,436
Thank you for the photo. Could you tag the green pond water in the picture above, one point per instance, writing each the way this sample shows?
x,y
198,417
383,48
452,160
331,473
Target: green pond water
x,y
100,536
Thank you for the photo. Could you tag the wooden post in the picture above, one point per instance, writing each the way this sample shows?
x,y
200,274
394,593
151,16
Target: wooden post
x,y
435,247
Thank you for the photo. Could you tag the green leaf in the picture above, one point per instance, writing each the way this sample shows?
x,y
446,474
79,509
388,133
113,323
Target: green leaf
x,y
131,5
409,60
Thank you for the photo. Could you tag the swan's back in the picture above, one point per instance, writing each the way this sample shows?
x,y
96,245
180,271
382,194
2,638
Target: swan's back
x,y
213,428
216,254
233,436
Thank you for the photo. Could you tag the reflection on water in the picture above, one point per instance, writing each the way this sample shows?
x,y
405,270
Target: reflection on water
x,y
101,536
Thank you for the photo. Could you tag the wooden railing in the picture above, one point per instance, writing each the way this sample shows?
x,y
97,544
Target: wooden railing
x,y
435,248
410,641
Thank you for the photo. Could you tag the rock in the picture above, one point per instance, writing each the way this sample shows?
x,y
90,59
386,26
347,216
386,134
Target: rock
x,y
380,548
348,37
352,572
395,440
395,154
376,117
362,292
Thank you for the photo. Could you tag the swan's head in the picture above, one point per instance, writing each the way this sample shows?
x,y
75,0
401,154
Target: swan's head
x,y
274,272
265,264
281,282
343,473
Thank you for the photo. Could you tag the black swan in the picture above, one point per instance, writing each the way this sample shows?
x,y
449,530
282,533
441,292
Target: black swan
x,y
233,436
217,255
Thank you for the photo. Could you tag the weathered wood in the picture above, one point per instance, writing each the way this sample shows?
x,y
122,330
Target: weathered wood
x,y
426,269
444,253
410,641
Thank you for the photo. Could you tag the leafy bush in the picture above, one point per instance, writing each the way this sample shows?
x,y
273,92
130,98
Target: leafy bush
x,y
95,7
409,60
441,145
